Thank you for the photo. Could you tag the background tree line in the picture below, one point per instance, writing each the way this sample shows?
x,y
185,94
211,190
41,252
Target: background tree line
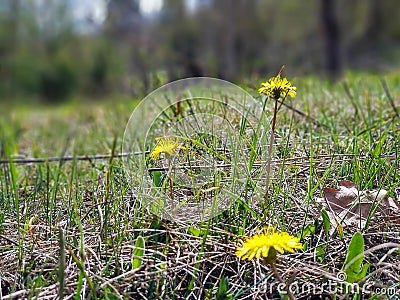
x,y
42,54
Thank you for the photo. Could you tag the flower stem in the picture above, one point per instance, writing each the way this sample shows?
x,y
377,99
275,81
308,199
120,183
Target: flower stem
x,y
171,187
271,143
279,278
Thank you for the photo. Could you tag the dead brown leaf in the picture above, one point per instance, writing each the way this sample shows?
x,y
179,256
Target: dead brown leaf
x,y
349,206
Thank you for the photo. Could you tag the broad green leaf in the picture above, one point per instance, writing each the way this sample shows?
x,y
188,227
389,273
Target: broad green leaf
x,y
364,271
158,178
194,231
320,252
110,296
138,253
308,230
197,231
327,222
354,258
222,293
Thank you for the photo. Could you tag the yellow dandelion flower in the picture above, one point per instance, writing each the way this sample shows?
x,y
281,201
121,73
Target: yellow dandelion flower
x,y
261,244
277,87
165,145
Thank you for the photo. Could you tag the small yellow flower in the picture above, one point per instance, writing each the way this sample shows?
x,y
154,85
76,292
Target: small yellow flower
x,y
277,87
261,244
165,145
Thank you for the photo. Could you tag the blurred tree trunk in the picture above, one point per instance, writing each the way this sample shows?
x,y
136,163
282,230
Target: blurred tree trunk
x,y
331,36
176,39
123,18
14,22
374,25
230,54
124,25
172,11
233,36
225,38
11,45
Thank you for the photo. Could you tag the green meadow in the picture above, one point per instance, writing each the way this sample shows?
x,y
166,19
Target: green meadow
x,y
72,226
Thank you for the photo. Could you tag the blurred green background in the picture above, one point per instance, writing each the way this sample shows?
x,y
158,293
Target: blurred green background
x,y
54,50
